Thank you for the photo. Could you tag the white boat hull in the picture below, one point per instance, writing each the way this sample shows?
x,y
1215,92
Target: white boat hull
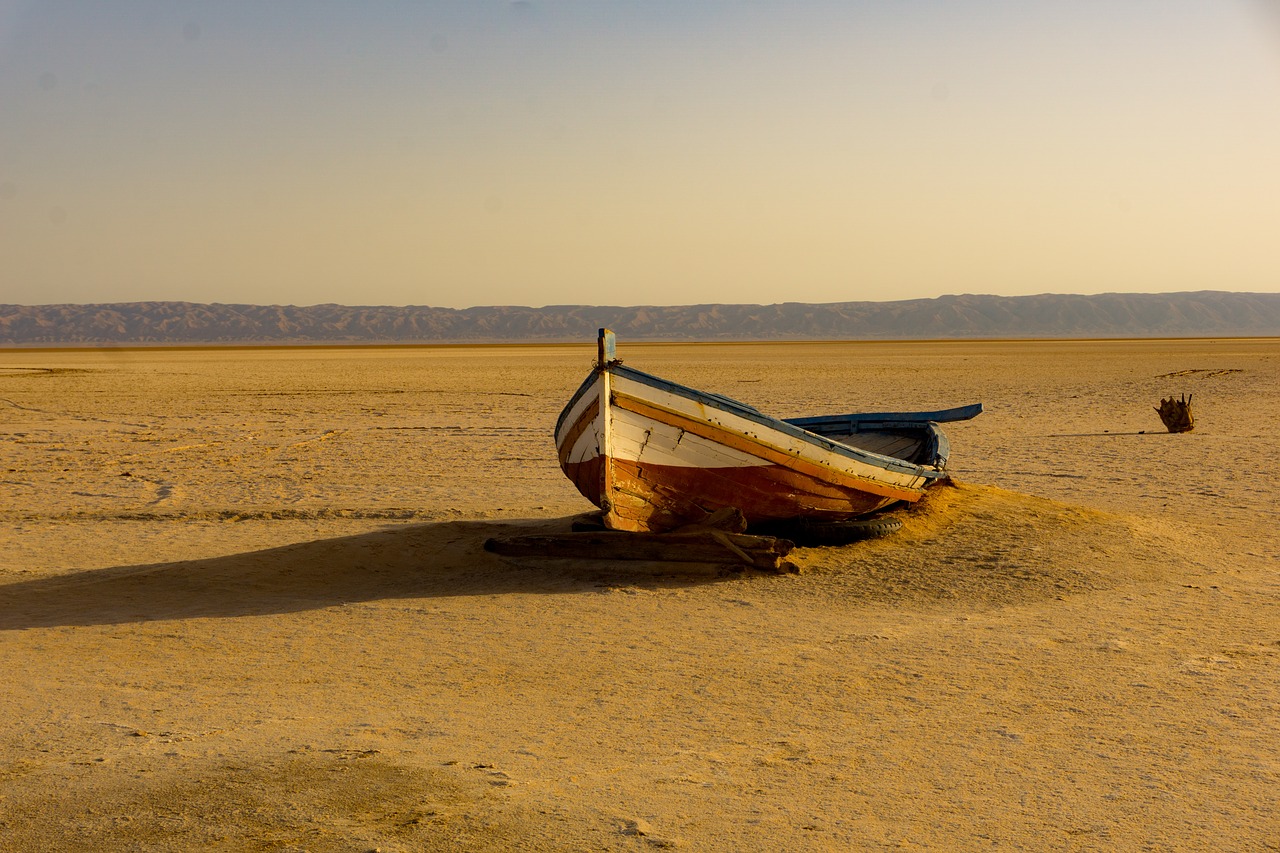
x,y
655,455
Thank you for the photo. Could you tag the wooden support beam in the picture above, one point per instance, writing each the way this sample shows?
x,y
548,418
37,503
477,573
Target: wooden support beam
x,y
737,550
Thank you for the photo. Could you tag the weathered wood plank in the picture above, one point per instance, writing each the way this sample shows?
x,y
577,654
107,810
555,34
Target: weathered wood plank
x,y
709,546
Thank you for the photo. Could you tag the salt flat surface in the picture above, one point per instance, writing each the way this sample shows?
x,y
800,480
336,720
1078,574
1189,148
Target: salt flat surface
x,y
244,605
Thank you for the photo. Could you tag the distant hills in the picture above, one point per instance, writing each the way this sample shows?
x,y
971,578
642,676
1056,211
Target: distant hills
x,y
1110,315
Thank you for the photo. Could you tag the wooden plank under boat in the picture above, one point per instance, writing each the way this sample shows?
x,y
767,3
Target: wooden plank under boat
x,y
656,455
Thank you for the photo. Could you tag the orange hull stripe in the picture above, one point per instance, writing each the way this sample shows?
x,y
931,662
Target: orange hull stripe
x,y
575,432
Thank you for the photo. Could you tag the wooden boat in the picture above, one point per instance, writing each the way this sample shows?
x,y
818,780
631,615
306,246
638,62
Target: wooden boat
x,y
655,455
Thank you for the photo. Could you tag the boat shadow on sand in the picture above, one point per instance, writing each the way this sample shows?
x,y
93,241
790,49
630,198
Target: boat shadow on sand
x,y
971,546
416,561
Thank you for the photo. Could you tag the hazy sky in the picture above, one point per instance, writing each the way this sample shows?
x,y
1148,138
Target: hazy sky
x,y
482,153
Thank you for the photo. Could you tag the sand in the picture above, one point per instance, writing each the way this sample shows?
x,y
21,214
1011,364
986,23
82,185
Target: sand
x,y
244,605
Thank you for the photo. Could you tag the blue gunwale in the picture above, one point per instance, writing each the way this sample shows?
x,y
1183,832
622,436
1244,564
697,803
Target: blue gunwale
x,y
854,419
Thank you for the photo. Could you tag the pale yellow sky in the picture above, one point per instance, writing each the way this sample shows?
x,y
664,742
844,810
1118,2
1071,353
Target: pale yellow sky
x,y
658,153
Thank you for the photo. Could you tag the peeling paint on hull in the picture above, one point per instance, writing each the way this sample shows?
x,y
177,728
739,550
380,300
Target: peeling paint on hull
x,y
654,498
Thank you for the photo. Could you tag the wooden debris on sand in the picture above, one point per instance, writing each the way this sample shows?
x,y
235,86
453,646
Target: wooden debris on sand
x,y
717,539
1176,414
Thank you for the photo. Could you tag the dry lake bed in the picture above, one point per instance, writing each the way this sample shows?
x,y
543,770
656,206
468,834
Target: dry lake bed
x,y
244,605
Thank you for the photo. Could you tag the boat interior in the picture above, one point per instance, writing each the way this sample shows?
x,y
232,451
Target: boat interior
x,y
900,445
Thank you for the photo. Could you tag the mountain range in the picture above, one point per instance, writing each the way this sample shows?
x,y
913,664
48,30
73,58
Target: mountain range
x,y
1109,315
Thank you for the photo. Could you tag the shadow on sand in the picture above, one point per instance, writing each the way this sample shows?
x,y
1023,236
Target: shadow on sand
x,y
421,561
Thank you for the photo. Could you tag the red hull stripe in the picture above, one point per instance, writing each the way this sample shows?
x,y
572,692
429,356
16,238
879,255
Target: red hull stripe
x,y
660,497
746,444
587,476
